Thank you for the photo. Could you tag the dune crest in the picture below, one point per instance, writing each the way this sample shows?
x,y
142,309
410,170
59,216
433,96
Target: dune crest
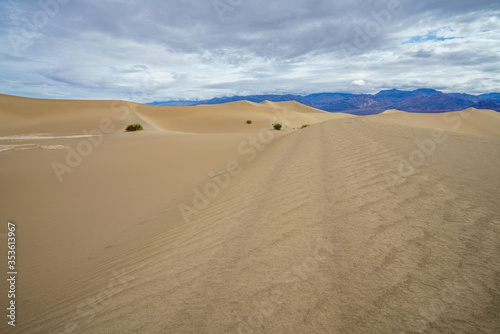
x,y
68,116
392,111
479,122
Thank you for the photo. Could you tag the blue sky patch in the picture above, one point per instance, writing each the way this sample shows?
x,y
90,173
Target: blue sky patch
x,y
431,36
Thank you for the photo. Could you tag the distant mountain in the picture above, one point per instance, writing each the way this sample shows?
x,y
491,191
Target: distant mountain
x,y
420,100
175,103
491,97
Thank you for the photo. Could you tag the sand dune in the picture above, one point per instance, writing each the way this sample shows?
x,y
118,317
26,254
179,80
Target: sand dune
x,y
205,224
26,116
473,121
391,111
68,116
232,117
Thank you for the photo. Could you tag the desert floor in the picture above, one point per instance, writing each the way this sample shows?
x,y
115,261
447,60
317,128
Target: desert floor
x,y
203,223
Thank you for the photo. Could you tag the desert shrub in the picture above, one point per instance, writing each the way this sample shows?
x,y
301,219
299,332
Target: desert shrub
x,y
249,122
134,127
305,126
277,126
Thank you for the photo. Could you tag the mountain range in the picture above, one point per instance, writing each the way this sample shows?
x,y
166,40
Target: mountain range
x,y
420,100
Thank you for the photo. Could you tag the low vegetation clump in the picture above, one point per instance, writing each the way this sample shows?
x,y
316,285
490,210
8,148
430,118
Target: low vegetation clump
x,y
305,126
134,127
277,126
249,122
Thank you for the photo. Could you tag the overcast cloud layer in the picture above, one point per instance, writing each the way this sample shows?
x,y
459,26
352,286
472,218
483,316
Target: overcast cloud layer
x,y
193,49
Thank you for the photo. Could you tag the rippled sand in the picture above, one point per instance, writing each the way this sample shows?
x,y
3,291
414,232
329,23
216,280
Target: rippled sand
x,y
205,224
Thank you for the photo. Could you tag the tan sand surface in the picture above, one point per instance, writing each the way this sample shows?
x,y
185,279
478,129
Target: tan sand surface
x,y
232,117
473,121
205,224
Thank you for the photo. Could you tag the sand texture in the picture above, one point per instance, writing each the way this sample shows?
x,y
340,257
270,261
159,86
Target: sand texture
x,y
202,223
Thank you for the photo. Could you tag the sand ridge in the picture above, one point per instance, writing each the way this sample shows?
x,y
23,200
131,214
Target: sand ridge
x,y
481,122
70,117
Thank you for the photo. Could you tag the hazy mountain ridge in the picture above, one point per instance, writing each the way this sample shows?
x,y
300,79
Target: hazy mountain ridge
x,y
420,100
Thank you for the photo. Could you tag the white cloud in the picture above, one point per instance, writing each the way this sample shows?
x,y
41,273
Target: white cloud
x,y
157,50
358,83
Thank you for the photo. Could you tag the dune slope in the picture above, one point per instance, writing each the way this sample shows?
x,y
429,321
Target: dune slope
x,y
39,116
317,240
480,122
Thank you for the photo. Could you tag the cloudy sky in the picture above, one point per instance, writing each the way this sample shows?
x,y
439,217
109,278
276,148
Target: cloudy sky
x,y
160,50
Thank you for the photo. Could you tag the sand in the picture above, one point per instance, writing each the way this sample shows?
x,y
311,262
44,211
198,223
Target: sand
x,y
205,224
